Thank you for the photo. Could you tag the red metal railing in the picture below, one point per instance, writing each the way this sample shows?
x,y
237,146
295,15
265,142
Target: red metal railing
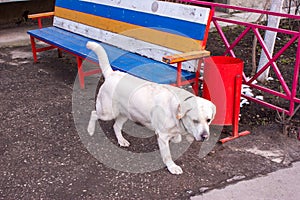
x,y
289,92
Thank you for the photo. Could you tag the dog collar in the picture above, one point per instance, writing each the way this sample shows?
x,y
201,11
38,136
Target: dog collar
x,y
181,122
188,98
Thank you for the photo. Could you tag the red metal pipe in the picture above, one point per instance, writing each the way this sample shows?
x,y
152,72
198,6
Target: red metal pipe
x,y
223,37
258,26
178,79
238,39
33,47
290,94
295,79
80,72
253,10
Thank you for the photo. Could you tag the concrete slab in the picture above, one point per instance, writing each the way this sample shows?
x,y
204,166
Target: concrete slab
x,y
14,36
283,184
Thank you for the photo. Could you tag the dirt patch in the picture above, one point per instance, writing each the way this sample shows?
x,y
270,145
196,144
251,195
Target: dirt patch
x,y
42,155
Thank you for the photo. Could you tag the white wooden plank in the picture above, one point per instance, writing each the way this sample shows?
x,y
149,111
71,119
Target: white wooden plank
x,y
11,1
174,10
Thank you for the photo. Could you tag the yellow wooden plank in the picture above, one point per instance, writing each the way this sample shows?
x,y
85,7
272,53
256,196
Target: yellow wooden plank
x,y
172,41
41,15
186,56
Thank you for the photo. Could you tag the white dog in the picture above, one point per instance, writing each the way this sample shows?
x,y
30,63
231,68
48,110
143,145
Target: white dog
x,y
169,111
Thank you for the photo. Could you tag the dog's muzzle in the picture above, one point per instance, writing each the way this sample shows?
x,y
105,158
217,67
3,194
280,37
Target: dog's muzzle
x,y
202,137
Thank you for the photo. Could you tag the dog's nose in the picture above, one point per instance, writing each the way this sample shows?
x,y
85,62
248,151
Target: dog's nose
x,y
204,136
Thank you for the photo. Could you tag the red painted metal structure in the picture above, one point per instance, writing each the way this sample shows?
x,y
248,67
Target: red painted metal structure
x,y
227,70
289,92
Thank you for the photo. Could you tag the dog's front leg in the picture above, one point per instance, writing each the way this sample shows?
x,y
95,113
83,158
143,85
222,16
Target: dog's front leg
x,y
163,143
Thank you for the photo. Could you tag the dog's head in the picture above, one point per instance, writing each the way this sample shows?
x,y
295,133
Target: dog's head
x,y
195,115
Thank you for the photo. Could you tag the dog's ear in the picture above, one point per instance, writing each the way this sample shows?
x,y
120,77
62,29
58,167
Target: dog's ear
x,y
179,114
214,110
182,109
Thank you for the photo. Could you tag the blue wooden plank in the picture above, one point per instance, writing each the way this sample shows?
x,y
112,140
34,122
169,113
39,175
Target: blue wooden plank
x,y
167,24
121,60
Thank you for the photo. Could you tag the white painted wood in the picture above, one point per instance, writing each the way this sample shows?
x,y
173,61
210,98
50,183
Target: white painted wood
x,y
174,10
11,1
270,39
146,49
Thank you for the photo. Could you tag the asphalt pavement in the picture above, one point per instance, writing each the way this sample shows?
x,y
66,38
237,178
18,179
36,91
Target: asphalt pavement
x,y
279,185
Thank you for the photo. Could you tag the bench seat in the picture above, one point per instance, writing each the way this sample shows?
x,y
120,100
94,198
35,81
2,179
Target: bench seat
x,y
120,59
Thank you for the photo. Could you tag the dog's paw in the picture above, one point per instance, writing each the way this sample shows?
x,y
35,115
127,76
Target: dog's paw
x,y
175,169
123,142
189,138
176,139
92,123
91,128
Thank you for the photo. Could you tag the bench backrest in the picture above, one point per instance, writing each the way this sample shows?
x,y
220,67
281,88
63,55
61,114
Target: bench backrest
x,y
147,27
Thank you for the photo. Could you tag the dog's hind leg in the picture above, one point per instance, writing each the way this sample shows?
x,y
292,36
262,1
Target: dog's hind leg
x,y
120,120
92,123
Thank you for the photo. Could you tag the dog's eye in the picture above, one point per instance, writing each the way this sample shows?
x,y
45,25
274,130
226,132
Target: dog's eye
x,y
208,120
196,121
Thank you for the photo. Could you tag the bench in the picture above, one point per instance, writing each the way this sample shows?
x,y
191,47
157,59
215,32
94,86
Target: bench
x,y
157,41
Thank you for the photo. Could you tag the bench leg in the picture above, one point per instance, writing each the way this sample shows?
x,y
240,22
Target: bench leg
x,y
59,53
196,86
179,82
40,23
178,79
197,76
80,72
33,47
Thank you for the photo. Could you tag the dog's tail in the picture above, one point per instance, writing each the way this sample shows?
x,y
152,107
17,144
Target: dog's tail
x,y
102,57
